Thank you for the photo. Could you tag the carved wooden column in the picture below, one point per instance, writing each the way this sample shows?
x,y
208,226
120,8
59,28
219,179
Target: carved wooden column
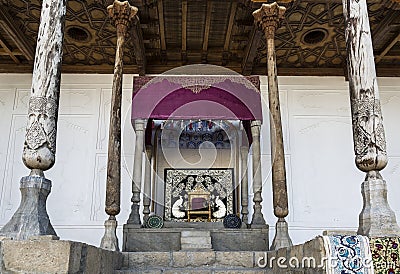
x,y
121,13
147,183
258,218
134,217
244,151
31,217
376,217
268,18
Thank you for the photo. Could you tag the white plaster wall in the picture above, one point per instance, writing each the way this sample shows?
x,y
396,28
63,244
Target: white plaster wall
x,y
324,184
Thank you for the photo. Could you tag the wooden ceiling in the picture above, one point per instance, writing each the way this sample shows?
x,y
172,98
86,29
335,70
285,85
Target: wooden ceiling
x,y
172,33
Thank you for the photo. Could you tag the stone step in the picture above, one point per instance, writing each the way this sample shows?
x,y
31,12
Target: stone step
x,y
199,240
195,233
182,259
196,270
196,240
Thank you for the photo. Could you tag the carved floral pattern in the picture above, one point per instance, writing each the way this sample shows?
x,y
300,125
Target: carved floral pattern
x,y
35,136
346,254
42,129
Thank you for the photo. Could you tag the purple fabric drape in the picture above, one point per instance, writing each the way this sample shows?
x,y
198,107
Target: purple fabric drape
x,y
227,99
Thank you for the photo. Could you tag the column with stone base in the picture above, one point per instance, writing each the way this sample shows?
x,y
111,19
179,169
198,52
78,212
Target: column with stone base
x,y
268,18
121,13
147,183
134,217
31,218
244,187
376,218
258,220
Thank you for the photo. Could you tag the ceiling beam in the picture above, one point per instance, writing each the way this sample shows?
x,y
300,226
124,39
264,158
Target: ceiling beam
x,y
14,52
384,27
184,31
313,1
386,50
157,69
225,55
8,51
251,51
161,22
138,46
206,32
10,26
391,57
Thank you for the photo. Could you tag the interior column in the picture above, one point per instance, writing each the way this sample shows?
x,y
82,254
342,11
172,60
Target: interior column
x,y
134,217
244,187
258,218
147,183
376,218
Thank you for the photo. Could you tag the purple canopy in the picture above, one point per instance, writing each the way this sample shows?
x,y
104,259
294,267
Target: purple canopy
x,y
228,97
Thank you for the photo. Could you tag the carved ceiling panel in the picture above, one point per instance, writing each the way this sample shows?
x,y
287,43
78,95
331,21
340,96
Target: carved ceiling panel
x,y
311,39
90,38
312,36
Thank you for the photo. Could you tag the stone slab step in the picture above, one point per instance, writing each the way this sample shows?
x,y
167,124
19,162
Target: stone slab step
x,y
196,270
195,233
180,259
196,240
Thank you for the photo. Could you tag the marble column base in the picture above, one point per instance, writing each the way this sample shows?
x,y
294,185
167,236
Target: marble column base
x,y
134,216
31,218
258,220
282,238
110,239
376,219
245,224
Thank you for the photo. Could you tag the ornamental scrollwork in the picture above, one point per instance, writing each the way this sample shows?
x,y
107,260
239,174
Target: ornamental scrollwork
x,y
196,84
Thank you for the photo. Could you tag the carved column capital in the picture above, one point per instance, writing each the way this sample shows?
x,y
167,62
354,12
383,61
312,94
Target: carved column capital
x,y
139,125
268,18
121,14
255,128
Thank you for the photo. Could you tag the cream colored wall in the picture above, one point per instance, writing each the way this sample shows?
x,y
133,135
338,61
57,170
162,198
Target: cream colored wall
x,y
76,202
324,184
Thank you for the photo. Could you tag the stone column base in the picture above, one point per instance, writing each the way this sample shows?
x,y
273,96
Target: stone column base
x,y
258,220
31,218
376,219
134,216
282,238
110,240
